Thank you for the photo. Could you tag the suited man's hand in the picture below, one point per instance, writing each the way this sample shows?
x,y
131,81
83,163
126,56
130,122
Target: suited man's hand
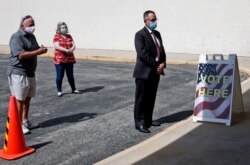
x,y
159,71
160,68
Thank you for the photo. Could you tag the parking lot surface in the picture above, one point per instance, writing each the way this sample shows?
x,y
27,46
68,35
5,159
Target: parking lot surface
x,y
88,127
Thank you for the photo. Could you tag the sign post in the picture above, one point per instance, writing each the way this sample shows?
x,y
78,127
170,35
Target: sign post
x,y
218,89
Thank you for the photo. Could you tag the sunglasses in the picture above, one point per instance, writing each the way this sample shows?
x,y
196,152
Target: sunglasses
x,y
152,20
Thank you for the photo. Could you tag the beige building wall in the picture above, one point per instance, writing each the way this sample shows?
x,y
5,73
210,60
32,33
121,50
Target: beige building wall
x,y
187,26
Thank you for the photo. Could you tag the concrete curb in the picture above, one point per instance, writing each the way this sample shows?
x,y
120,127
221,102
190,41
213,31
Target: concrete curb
x,y
112,160
97,58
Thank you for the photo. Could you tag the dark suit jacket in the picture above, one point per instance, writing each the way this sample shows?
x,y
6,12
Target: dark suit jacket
x,y
146,54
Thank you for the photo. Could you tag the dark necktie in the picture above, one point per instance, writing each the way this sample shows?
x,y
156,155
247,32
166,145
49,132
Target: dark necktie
x,y
157,47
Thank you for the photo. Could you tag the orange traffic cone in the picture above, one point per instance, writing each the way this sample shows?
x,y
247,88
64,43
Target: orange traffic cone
x,y
14,146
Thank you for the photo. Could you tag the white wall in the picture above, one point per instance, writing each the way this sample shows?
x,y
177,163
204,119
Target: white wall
x,y
187,26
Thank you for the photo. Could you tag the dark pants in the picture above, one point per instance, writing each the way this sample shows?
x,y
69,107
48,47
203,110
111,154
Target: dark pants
x,y
60,70
145,95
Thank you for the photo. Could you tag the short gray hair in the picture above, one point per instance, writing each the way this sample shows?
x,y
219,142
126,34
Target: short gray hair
x,y
24,18
146,13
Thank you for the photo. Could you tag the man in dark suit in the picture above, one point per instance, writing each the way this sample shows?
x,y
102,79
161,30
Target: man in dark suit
x,y
150,63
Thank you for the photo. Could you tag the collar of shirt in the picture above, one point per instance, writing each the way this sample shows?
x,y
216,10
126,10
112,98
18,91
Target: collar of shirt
x,y
155,39
21,31
150,31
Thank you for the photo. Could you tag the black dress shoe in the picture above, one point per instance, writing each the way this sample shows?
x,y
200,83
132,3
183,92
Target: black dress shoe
x,y
155,124
143,129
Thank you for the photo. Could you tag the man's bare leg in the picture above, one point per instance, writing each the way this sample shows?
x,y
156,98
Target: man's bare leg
x,y
26,107
20,109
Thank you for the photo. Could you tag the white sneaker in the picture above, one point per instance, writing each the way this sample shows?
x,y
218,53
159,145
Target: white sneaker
x,y
59,94
25,130
76,91
27,124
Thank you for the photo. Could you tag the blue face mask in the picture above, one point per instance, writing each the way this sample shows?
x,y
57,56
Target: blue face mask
x,y
152,25
64,31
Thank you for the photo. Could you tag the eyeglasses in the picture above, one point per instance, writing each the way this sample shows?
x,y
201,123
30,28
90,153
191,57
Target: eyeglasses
x,y
152,20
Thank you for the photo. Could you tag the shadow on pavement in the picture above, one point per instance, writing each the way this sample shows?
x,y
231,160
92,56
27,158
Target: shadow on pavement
x,y
68,119
94,89
209,143
88,90
175,117
40,145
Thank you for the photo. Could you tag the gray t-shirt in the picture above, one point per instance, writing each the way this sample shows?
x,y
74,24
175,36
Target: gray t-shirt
x,y
19,43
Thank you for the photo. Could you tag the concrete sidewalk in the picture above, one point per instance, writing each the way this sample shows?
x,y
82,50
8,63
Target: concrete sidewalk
x,y
195,143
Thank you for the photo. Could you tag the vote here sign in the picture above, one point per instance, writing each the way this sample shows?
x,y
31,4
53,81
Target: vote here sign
x,y
213,90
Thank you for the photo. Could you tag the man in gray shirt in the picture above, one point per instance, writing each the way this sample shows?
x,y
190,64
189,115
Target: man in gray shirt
x,y
22,66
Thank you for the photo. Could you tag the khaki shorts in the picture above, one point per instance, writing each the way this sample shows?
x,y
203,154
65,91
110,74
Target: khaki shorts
x,y
22,86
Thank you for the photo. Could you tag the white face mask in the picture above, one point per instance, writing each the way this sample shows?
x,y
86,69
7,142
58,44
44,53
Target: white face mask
x,y
30,29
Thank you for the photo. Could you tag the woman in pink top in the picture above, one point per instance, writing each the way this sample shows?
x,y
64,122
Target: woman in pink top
x,y
64,58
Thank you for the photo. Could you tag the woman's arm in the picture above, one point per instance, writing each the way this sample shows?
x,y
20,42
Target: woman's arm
x,y
73,47
56,45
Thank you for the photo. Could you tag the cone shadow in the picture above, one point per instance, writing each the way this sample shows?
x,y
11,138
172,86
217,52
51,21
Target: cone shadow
x,y
40,145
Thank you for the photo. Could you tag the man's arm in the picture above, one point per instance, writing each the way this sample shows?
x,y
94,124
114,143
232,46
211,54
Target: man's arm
x,y
163,51
163,64
29,54
142,53
17,49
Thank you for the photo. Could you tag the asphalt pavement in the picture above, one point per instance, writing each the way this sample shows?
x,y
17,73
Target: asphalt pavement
x,y
86,128
192,143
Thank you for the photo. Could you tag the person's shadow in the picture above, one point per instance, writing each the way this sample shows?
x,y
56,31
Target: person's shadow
x,y
93,89
67,119
87,90
175,117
